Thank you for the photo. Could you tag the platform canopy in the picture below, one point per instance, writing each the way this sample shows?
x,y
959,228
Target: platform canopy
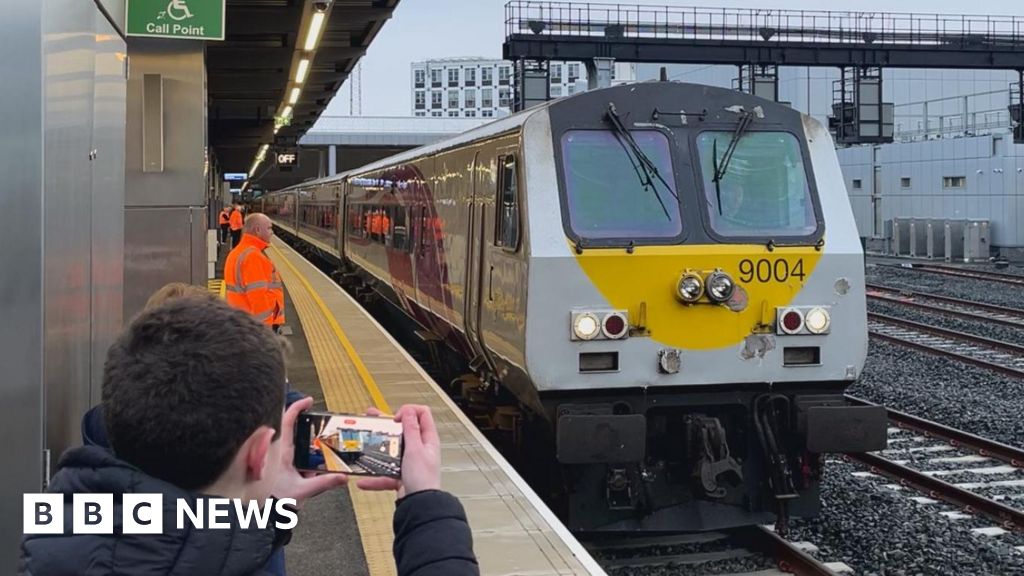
x,y
278,67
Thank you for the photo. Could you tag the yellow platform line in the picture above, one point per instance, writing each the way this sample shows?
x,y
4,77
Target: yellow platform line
x,y
348,387
216,286
371,384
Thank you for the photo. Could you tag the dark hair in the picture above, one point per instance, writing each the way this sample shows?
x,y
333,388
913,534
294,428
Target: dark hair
x,y
186,384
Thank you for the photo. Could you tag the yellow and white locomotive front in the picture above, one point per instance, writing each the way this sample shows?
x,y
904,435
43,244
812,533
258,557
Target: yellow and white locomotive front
x,y
695,307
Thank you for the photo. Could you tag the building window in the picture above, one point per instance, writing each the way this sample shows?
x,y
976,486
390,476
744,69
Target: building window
x,y
506,231
453,113
556,91
574,72
904,182
857,184
435,99
556,73
571,89
435,78
453,98
954,181
453,77
485,76
470,97
470,76
503,74
503,98
421,100
436,114
996,140
421,78
487,113
421,113
487,98
470,113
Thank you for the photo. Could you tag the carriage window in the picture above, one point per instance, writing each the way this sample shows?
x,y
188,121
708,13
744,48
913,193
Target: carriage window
x,y
399,228
764,190
610,195
355,221
506,232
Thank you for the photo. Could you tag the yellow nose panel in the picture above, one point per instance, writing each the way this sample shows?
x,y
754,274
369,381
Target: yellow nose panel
x,y
650,274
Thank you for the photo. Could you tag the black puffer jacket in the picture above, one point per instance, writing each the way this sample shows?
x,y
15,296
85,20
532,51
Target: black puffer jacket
x,y
186,552
432,537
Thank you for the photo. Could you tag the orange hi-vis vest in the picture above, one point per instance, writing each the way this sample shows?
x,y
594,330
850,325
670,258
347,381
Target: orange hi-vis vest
x,y
252,283
225,217
235,220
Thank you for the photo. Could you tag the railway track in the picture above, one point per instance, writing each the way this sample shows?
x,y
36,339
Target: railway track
x,y
1003,277
1002,357
963,495
947,305
693,550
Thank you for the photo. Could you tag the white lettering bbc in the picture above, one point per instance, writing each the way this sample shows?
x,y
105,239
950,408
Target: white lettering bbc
x,y
143,513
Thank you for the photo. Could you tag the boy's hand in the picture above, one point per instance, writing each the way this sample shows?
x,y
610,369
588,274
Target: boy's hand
x,y
291,483
421,459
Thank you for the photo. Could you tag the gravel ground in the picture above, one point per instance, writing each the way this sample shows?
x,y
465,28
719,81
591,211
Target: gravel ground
x,y
940,389
881,532
977,327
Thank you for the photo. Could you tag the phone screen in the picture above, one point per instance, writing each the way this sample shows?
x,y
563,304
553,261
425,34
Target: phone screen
x,y
356,445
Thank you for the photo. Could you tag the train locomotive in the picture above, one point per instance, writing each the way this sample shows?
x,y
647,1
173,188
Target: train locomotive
x,y
665,278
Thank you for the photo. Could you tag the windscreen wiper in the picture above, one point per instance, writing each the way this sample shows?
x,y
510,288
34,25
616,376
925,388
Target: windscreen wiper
x,y
721,167
645,169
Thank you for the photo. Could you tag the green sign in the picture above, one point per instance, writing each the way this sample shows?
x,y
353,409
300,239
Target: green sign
x,y
192,19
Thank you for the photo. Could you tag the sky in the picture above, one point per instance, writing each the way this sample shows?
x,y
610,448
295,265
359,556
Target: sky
x,y
425,29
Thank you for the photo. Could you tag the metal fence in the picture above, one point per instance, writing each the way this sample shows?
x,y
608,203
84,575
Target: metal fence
x,y
760,25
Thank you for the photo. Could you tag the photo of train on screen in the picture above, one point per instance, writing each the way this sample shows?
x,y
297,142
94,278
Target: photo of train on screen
x,y
355,445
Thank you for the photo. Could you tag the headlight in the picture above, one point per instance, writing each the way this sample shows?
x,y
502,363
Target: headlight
x,y
690,288
586,326
817,321
719,287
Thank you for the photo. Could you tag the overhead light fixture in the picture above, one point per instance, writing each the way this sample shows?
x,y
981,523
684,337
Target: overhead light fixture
x,y
301,71
287,112
294,95
316,24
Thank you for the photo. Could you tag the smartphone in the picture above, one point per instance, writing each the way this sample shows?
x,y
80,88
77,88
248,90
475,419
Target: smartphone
x,y
355,445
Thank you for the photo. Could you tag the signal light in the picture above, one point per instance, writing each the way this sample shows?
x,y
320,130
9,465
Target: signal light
x,y
615,326
791,321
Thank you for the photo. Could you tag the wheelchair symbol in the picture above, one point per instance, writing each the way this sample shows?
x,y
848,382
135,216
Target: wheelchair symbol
x,y
177,10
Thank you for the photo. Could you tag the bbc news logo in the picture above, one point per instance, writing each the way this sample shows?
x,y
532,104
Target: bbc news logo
x,y
144,513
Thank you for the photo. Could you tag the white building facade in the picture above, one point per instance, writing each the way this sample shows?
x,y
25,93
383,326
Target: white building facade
x,y
483,88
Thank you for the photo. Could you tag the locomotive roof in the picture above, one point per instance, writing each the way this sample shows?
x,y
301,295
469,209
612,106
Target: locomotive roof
x,y
517,120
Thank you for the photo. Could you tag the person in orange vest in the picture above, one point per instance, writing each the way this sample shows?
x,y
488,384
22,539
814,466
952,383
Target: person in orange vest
x,y
225,224
235,223
250,279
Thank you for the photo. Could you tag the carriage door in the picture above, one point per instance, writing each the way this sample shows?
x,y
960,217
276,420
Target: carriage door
x,y
474,266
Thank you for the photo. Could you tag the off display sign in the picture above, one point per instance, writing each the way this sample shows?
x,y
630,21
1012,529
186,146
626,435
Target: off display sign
x,y
186,19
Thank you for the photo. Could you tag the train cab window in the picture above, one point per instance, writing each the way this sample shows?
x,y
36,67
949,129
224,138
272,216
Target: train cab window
x,y
609,196
762,191
506,231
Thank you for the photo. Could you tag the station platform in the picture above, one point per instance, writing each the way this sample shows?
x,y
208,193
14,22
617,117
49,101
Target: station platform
x,y
344,359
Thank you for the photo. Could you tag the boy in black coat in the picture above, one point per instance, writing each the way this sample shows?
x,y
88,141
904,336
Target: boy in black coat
x,y
192,414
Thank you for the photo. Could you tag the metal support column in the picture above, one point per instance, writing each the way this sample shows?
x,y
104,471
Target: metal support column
x,y
599,72
332,160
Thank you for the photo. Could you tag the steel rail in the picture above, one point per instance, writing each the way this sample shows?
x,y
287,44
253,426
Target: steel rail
x,y
952,306
983,446
789,558
969,501
949,335
968,273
